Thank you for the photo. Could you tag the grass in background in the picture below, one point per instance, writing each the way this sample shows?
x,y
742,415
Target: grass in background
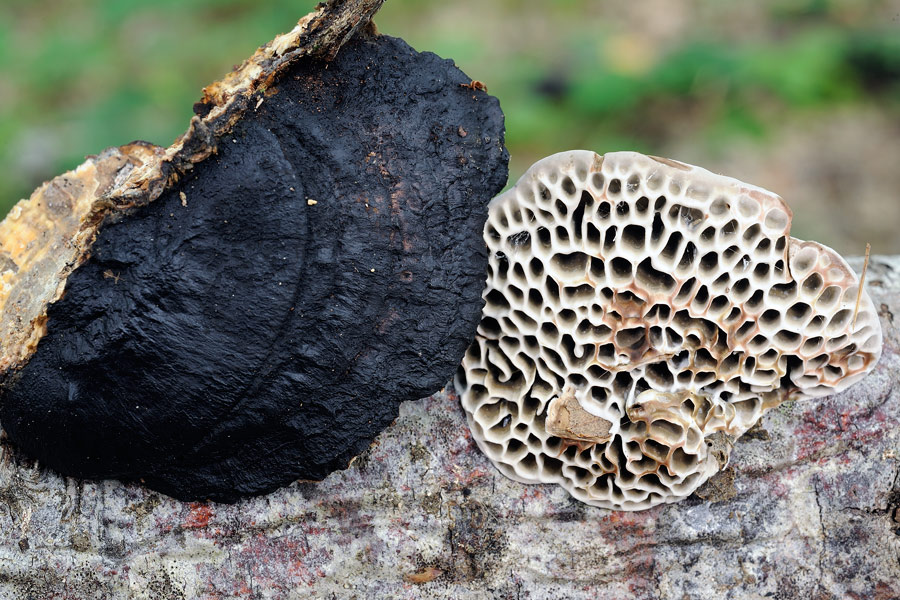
x,y
79,76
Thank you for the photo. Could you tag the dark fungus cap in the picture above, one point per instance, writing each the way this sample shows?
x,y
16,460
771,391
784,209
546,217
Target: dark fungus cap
x,y
250,306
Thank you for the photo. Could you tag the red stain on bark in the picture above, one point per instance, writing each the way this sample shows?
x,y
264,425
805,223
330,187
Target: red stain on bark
x,y
824,426
199,516
633,535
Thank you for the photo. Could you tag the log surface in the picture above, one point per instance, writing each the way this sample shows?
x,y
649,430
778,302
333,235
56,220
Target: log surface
x,y
423,514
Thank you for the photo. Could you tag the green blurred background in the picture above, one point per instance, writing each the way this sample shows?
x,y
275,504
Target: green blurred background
x,y
798,96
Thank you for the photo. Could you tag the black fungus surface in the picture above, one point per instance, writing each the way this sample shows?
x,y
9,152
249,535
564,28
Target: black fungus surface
x,y
324,266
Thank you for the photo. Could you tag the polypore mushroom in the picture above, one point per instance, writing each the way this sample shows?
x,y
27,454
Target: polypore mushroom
x,y
641,314
251,305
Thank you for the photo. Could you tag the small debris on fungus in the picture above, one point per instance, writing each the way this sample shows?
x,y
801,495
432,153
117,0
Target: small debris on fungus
x,y
152,339
642,314
475,85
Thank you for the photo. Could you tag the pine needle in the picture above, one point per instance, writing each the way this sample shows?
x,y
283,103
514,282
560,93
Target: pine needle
x,y
862,279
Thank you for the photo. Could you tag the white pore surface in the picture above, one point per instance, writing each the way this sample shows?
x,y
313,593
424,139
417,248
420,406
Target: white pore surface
x,y
675,306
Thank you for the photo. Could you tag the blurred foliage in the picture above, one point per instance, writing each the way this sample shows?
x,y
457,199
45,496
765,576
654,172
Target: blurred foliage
x,y
81,75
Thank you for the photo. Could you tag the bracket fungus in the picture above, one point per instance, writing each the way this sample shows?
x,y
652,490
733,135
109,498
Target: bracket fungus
x,y
642,314
250,306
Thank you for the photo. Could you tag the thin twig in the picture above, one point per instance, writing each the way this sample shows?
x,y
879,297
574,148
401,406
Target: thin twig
x,y
862,279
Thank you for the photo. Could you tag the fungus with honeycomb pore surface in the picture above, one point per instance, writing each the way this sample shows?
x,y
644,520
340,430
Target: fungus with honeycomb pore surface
x,y
664,310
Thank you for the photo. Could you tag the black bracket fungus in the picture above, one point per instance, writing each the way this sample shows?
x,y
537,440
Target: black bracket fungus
x,y
261,319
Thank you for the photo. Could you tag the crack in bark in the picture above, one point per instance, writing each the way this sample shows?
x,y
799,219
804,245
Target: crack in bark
x,y
821,554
